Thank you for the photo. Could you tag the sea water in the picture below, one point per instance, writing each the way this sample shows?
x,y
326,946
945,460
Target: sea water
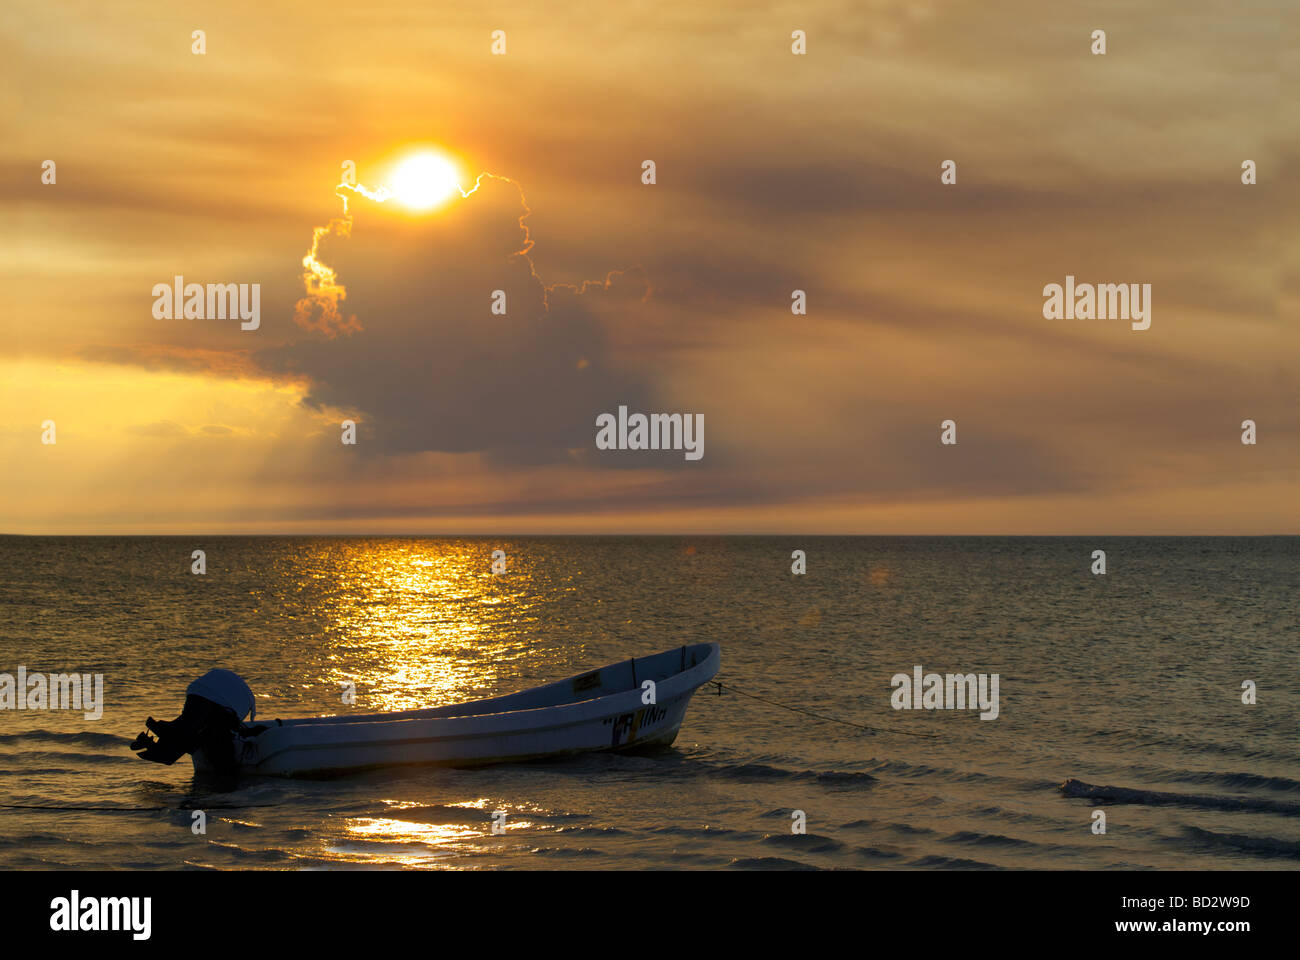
x,y
1131,679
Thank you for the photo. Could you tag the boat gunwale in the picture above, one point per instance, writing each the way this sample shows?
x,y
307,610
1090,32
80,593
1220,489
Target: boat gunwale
x,y
412,716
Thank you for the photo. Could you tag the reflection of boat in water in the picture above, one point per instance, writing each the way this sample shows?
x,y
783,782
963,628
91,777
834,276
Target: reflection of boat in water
x,y
612,708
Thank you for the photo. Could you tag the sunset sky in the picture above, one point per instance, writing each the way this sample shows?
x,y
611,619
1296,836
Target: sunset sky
x,y
775,172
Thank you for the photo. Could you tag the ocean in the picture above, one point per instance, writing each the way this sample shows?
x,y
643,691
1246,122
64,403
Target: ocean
x,y
1132,679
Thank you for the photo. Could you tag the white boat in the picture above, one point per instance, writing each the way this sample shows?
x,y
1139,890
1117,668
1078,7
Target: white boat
x,y
605,709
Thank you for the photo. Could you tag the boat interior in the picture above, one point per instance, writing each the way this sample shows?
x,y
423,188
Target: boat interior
x,y
606,681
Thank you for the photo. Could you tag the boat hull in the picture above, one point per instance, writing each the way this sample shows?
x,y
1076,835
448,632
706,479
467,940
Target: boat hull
x,y
602,710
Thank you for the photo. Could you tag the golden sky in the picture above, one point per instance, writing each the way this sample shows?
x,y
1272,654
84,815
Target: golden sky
x,y
774,172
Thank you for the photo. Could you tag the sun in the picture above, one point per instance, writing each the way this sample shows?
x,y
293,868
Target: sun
x,y
424,180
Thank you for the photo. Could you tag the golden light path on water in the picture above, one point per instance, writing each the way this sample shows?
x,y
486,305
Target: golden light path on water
x,y
416,624
411,840
425,620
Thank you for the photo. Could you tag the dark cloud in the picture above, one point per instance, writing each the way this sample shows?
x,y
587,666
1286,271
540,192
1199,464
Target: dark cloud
x,y
415,352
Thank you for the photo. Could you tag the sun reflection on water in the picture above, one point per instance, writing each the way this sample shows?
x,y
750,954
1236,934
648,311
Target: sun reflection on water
x,y
420,623
417,834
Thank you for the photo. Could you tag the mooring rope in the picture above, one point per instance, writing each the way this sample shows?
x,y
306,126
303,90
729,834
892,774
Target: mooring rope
x,y
819,716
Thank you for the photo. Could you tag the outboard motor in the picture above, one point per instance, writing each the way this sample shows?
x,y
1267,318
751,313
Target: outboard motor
x,y
215,706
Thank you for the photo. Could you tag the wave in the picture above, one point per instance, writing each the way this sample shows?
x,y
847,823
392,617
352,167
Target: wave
x,y
987,839
904,828
946,774
763,771
769,863
1244,843
707,830
83,737
609,831
878,853
1185,744
806,842
1247,780
37,759
440,813
1108,794
716,764
565,852
952,863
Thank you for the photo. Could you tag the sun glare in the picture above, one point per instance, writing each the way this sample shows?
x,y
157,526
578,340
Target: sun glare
x,y
424,181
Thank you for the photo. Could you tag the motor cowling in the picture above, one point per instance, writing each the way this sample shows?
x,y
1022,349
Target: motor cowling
x,y
211,719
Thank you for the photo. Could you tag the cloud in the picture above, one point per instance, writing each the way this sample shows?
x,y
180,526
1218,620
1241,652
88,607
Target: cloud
x,y
173,359
163,428
776,172
397,329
